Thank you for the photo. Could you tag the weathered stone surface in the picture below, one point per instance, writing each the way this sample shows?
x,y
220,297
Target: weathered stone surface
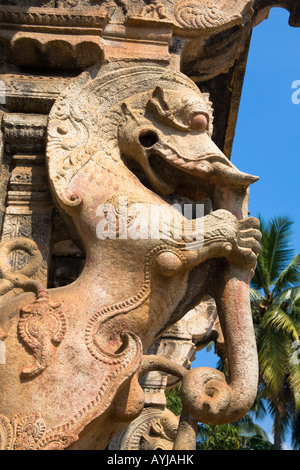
x,y
146,114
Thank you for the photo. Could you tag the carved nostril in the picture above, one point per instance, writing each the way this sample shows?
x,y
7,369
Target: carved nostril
x,y
148,138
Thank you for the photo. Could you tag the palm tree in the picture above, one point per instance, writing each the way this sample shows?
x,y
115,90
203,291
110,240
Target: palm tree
x,y
275,298
241,435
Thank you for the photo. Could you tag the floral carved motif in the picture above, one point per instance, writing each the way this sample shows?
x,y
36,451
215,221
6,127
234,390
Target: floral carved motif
x,y
41,328
195,14
29,433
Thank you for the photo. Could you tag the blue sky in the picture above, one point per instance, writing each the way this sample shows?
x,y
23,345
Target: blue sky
x,y
267,139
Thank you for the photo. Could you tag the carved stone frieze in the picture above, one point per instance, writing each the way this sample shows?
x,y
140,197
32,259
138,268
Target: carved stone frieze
x,y
31,94
30,3
28,211
90,30
206,37
25,133
20,260
51,18
30,433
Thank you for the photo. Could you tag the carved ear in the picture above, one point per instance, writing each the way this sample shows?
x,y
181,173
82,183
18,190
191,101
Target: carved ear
x,y
159,105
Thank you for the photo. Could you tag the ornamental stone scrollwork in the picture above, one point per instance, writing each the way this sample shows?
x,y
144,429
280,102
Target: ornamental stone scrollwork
x,y
154,429
193,14
29,433
12,275
42,325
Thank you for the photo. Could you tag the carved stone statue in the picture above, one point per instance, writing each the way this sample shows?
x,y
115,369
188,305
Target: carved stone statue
x,y
122,139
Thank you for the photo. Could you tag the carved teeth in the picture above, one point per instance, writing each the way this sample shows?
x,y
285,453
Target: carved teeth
x,y
172,157
180,161
189,165
201,166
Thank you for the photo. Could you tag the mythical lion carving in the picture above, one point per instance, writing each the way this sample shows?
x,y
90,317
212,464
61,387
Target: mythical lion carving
x,y
122,139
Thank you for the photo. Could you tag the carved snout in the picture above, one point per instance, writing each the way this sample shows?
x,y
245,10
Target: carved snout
x,y
209,395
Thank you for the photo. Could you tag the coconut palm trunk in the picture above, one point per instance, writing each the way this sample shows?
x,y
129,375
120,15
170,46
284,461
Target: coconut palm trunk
x,y
275,303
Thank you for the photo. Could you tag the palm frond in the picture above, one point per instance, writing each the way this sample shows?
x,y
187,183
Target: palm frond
x,y
272,356
255,295
259,409
260,280
290,295
290,276
278,246
279,320
247,427
294,372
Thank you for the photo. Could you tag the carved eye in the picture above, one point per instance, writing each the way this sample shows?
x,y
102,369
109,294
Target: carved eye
x,y
199,122
148,138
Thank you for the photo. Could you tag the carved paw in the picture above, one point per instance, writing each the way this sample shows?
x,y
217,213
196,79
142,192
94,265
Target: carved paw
x,y
246,246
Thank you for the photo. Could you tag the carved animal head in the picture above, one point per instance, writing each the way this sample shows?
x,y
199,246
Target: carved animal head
x,y
166,140
147,118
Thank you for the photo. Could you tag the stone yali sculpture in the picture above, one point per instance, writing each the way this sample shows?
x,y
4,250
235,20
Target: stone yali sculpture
x,y
121,138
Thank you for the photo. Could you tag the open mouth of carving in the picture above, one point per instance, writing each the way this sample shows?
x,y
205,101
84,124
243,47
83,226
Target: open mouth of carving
x,y
169,167
197,178
165,169
184,181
